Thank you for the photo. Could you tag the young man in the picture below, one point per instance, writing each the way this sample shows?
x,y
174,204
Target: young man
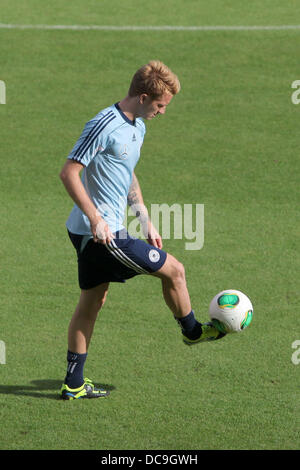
x,y
107,152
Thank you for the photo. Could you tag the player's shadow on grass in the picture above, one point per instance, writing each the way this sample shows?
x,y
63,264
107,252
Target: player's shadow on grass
x,y
47,388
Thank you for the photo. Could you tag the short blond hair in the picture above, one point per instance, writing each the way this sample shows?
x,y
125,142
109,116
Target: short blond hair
x,y
154,79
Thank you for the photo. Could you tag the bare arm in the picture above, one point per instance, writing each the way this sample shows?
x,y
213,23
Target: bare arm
x,y
136,202
70,176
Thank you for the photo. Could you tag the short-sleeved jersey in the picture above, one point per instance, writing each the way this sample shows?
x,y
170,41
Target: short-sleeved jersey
x,y
109,148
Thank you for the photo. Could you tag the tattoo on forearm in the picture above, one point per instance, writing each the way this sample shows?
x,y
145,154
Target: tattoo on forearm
x,y
135,201
132,197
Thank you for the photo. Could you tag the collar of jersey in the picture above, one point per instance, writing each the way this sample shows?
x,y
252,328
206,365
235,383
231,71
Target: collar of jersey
x,y
124,115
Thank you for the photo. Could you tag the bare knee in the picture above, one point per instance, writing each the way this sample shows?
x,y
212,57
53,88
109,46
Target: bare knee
x,y
178,272
101,301
98,302
92,300
173,270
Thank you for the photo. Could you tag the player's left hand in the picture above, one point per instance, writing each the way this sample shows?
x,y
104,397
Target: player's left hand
x,y
153,236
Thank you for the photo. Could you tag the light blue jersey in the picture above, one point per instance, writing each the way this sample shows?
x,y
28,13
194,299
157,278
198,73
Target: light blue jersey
x,y
109,148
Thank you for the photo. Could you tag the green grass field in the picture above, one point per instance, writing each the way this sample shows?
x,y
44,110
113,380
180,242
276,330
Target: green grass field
x,y
230,141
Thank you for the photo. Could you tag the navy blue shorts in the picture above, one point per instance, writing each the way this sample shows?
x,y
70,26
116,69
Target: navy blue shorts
x,y
123,258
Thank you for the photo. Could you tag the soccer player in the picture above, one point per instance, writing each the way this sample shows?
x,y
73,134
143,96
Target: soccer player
x,y
106,153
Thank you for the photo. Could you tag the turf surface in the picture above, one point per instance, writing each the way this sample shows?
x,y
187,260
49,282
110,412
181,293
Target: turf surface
x,y
230,141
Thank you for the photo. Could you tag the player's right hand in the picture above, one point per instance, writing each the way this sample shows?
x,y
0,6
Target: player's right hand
x,y
101,232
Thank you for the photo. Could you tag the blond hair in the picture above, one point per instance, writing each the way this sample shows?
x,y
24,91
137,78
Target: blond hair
x,y
154,79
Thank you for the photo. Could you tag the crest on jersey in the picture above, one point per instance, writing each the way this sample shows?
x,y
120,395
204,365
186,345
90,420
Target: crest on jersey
x,y
124,151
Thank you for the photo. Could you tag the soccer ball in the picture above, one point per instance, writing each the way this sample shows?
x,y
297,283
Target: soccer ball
x,y
231,311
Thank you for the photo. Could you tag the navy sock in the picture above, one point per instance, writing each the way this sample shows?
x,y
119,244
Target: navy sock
x,y
74,377
190,327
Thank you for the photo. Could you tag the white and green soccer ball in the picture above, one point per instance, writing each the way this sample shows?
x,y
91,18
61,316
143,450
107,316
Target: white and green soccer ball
x,y
231,311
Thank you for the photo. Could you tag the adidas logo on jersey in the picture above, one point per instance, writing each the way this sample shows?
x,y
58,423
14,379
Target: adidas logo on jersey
x,y
133,138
